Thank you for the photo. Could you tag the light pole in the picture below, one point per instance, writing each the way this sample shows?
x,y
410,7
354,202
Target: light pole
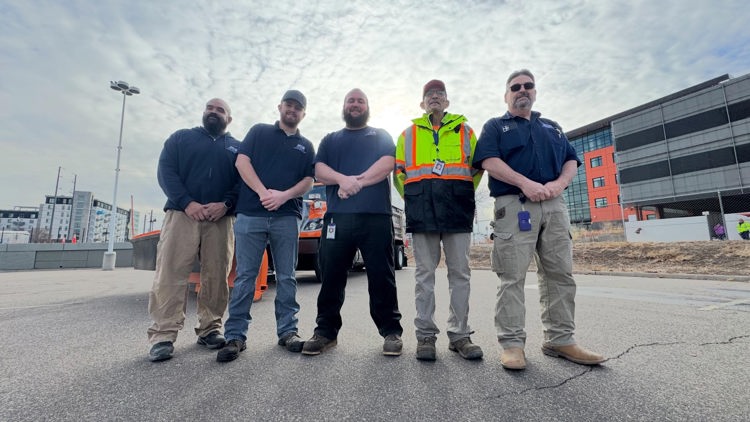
x,y
108,263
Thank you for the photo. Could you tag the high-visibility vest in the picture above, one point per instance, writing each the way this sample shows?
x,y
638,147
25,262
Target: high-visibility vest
x,y
419,146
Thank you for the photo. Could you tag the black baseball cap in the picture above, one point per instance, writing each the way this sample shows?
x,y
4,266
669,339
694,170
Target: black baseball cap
x,y
295,95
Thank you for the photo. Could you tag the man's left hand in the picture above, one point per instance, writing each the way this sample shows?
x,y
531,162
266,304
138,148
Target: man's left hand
x,y
274,200
554,188
215,210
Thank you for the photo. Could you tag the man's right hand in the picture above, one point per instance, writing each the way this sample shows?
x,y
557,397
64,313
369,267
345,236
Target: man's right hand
x,y
535,192
196,211
349,186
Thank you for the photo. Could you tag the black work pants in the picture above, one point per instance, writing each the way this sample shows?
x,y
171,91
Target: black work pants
x,y
372,234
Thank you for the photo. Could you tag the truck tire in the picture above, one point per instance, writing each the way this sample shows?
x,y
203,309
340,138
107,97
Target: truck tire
x,y
399,257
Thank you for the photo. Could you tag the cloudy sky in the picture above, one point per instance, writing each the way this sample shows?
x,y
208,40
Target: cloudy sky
x,y
592,59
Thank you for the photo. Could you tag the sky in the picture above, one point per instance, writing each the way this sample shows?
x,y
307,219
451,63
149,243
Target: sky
x,y
592,59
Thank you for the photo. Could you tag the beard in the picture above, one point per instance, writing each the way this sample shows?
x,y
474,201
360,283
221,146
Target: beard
x,y
358,121
214,126
290,121
522,102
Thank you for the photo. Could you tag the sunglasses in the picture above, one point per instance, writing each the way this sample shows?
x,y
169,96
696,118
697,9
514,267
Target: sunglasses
x,y
517,87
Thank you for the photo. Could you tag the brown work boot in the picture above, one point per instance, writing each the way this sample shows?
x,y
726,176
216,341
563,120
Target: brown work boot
x,y
513,358
573,353
466,349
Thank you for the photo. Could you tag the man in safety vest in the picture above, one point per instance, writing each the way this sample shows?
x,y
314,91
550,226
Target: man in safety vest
x,y
743,228
435,177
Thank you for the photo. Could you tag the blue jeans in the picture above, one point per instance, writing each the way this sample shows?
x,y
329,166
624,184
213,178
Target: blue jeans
x,y
252,234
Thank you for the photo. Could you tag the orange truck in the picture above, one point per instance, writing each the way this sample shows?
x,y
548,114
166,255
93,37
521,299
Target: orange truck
x,y
313,210
144,258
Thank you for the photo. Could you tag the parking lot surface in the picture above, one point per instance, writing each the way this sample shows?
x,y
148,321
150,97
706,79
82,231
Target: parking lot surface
x,y
74,348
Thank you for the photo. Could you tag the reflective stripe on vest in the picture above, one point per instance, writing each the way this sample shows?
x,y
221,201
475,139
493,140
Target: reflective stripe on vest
x,y
453,171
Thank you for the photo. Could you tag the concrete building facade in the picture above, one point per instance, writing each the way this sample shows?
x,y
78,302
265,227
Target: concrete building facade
x,y
689,154
82,216
681,155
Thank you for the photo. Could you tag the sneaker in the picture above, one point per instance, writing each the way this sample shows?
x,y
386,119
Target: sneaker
x,y
392,345
212,340
292,342
161,351
426,348
317,344
231,351
466,349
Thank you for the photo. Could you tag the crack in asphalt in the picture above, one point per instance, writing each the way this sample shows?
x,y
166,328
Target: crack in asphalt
x,y
635,346
561,383
591,368
730,341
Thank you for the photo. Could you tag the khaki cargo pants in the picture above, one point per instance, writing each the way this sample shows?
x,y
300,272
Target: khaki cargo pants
x,y
182,239
550,244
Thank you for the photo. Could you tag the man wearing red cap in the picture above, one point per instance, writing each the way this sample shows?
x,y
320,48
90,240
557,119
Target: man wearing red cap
x,y
435,178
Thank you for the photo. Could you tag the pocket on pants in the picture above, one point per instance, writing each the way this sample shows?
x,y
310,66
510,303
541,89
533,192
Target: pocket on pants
x,y
504,256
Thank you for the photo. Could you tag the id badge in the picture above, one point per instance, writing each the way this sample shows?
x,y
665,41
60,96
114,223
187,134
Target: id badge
x,y
438,167
524,221
331,231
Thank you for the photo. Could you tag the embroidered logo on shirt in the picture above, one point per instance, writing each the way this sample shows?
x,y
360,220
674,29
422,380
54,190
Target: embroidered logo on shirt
x,y
232,149
559,132
506,128
300,148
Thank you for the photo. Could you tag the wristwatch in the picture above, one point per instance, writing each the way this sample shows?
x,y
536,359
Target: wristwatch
x,y
228,204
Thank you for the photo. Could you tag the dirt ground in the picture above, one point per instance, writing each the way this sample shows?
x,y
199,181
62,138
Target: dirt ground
x,y
709,257
730,257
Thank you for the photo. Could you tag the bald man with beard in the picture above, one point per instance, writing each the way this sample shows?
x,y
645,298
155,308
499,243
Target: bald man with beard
x,y
354,163
197,173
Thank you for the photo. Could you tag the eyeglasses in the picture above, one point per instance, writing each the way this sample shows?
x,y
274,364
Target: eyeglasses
x,y
526,85
435,92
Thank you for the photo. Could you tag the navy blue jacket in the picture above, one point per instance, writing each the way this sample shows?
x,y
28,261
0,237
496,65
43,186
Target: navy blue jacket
x,y
193,166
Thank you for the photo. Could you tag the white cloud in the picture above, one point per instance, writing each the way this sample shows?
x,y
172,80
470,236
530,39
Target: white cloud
x,y
592,59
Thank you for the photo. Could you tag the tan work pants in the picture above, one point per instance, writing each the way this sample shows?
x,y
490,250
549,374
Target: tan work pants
x,y
182,239
550,244
427,256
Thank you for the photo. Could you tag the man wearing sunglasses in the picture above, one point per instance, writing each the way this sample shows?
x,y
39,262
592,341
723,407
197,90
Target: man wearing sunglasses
x,y
434,176
530,163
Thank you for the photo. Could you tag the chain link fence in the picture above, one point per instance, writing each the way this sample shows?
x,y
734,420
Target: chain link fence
x,y
706,216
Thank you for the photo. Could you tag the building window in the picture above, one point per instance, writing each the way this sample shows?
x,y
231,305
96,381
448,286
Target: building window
x,y
596,162
600,202
598,182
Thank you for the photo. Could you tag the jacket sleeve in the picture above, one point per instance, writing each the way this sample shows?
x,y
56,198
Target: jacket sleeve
x,y
476,174
399,172
168,173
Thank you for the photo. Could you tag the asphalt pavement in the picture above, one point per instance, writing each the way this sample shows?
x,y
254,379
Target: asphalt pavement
x,y
74,349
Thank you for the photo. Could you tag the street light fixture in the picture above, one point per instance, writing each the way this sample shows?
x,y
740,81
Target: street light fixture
x,y
108,263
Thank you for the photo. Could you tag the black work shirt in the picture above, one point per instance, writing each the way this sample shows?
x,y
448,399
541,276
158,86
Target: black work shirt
x,y
536,148
280,161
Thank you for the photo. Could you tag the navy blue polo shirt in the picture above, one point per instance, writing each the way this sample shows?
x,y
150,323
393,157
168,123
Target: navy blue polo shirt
x,y
281,161
536,148
351,152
